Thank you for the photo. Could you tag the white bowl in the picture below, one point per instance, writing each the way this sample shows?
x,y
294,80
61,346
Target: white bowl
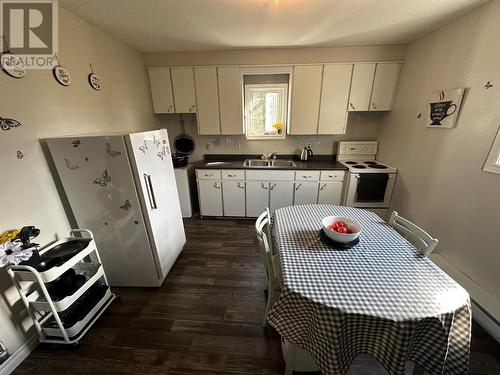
x,y
341,237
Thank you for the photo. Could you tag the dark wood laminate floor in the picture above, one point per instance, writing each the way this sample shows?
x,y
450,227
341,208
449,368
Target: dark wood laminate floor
x,y
205,319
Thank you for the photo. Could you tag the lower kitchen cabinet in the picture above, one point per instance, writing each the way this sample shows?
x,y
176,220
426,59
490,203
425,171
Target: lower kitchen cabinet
x,y
330,192
306,193
280,194
210,196
234,198
257,197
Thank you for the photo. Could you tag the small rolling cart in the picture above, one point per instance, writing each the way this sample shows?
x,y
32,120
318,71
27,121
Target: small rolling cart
x,y
64,287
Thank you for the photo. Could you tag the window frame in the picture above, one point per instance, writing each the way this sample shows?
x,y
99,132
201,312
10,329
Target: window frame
x,y
284,110
492,163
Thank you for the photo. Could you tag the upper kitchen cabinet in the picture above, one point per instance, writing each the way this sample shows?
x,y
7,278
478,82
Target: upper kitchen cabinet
x,y
306,96
373,87
207,99
334,98
183,88
161,90
361,87
230,100
384,86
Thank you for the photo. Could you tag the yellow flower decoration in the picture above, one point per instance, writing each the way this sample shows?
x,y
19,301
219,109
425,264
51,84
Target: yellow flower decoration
x,y
9,235
278,126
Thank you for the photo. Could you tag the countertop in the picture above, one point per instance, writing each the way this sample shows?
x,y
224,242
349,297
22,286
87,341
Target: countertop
x,y
321,162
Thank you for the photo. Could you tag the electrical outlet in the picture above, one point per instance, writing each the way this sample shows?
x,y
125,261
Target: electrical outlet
x,y
238,145
208,146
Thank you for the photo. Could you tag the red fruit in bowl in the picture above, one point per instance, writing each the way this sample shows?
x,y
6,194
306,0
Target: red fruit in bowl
x,y
341,230
349,231
340,224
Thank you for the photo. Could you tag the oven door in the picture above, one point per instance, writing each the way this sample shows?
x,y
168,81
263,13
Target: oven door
x,y
351,197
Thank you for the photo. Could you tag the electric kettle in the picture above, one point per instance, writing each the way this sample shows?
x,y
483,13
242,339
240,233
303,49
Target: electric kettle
x,y
306,153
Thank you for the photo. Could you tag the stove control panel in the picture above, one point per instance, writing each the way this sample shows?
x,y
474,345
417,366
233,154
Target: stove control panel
x,y
361,148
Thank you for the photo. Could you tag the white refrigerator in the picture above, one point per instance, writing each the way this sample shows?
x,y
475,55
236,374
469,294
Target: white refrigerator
x,y
122,188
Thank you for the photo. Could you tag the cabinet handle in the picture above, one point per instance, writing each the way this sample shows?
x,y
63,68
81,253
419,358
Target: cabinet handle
x,y
374,106
208,175
350,104
231,175
240,185
273,186
298,186
216,185
192,108
263,186
322,187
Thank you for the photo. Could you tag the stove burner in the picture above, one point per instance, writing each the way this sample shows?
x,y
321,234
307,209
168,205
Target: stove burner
x,y
370,162
351,162
378,166
359,166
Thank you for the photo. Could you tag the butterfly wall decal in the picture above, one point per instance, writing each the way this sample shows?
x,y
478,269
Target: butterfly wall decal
x,y
76,143
162,153
104,180
19,154
144,147
8,123
156,142
111,152
126,205
71,166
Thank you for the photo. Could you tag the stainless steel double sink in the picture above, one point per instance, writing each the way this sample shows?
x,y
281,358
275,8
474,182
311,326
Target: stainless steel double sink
x,y
275,163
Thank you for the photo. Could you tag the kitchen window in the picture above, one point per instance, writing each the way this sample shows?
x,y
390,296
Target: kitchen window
x,y
266,106
492,163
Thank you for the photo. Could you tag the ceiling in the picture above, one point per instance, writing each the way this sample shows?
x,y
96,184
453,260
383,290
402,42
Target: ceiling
x,y
180,25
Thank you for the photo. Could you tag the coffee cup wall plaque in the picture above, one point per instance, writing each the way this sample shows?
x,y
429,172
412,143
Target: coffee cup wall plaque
x,y
444,108
62,75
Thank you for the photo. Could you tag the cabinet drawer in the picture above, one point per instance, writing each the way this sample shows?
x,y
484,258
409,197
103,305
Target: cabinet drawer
x,y
332,175
270,175
307,176
233,174
208,174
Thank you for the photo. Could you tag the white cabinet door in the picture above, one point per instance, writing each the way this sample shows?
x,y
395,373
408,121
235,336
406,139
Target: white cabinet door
x,y
161,90
330,192
306,92
281,194
334,98
210,194
384,86
207,100
233,193
230,100
361,87
183,87
257,197
306,193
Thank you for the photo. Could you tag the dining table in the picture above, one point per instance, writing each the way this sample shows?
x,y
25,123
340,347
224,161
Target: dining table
x,y
379,297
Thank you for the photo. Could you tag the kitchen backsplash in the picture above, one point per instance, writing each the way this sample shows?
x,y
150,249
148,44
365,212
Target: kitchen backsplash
x,y
359,127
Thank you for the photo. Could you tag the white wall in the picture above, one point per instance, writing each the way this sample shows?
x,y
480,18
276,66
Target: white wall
x,y
360,126
47,109
441,186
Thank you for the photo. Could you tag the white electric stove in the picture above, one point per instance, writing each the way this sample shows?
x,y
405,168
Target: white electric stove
x,y
369,182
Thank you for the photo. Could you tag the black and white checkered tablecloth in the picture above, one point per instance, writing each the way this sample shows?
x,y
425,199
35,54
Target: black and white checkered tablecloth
x,y
380,297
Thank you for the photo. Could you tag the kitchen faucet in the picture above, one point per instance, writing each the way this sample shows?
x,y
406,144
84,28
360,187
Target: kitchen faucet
x,y
271,155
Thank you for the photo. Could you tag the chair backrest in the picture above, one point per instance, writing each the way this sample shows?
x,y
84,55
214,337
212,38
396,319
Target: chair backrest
x,y
422,240
262,227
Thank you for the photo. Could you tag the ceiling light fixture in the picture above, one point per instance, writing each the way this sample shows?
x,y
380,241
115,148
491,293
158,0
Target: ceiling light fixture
x,y
276,2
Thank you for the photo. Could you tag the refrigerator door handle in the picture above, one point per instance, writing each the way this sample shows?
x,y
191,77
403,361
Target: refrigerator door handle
x,y
151,194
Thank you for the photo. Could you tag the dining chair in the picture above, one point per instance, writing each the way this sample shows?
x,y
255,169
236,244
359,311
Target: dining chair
x,y
423,241
296,358
262,227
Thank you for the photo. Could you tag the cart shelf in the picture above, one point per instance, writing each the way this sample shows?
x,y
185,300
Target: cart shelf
x,y
66,315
